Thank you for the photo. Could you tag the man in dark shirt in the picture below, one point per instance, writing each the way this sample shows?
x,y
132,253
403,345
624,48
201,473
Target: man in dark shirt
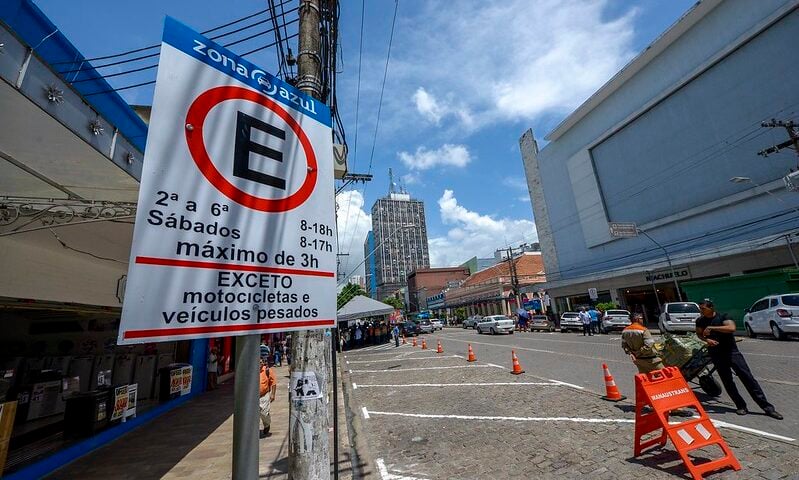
x,y
718,332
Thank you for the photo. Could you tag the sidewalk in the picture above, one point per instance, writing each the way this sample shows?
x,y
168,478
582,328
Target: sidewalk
x,y
195,440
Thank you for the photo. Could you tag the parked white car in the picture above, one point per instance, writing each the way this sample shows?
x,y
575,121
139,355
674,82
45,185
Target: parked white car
x,y
570,321
615,320
679,317
775,314
494,324
437,324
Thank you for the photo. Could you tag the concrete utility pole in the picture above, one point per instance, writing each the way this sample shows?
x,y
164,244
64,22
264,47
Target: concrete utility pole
x,y
309,455
514,279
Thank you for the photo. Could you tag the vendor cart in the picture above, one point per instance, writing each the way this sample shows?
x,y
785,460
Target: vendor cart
x,y
693,361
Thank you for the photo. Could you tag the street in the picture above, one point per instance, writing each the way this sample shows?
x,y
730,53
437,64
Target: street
x,y
428,415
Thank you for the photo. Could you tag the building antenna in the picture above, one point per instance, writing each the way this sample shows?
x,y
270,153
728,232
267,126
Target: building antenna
x,y
390,181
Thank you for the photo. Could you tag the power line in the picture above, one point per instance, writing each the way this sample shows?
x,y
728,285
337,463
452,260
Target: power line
x,y
128,87
379,110
357,109
153,55
150,47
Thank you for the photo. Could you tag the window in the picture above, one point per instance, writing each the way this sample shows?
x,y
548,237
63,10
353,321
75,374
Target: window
x,y
774,302
682,308
760,305
790,300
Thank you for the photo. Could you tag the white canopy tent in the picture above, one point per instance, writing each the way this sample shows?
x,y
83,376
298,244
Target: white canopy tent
x,y
362,307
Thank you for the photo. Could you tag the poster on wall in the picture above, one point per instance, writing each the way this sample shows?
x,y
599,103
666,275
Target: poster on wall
x,y
175,380
120,402
235,226
185,376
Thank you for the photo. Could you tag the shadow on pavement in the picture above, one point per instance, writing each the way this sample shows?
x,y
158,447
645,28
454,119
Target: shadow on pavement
x,y
153,449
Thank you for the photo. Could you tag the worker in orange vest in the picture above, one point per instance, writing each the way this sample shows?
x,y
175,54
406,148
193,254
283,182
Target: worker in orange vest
x,y
267,391
639,344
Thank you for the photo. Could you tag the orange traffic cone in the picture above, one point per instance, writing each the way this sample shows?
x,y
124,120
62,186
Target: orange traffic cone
x,y
471,358
439,349
517,369
424,345
612,391
403,340
414,341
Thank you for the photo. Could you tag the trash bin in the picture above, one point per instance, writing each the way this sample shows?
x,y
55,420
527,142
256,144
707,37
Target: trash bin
x,y
171,381
86,413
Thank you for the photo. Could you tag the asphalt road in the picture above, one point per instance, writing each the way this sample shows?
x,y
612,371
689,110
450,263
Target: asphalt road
x,y
420,415
575,359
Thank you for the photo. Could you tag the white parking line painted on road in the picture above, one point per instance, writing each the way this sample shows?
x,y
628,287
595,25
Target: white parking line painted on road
x,y
566,384
365,412
421,368
398,359
383,385
354,386
386,475
355,353
494,365
732,426
501,418
516,347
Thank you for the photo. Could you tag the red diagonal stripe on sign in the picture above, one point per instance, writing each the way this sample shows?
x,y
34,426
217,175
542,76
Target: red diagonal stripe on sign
x,y
172,262
170,332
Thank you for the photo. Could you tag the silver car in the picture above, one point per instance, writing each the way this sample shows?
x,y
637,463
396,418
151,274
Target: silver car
x,y
437,324
471,322
678,317
495,324
615,320
777,315
570,321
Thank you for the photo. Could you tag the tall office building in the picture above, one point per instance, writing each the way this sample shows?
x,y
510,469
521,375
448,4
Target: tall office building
x,y
400,236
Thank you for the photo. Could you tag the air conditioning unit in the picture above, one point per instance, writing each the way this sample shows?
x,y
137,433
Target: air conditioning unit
x,y
792,181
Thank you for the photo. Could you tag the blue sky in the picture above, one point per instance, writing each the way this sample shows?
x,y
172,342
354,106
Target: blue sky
x,y
465,80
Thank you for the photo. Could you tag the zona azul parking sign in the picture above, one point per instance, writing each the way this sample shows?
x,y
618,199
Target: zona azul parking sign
x,y
234,231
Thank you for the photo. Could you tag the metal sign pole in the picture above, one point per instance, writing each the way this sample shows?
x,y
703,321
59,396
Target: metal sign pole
x,y
245,408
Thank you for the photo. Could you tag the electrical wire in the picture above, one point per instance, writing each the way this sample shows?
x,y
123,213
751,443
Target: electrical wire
x,y
150,47
151,82
377,120
98,257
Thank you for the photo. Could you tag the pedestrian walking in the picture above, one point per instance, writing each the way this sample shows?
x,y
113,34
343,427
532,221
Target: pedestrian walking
x,y
267,391
594,314
212,366
586,319
358,337
638,343
395,334
265,350
278,353
718,332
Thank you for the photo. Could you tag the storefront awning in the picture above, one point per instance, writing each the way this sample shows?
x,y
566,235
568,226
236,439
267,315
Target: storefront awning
x,y
363,307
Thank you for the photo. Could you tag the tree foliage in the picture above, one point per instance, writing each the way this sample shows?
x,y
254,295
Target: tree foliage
x,y
394,302
347,293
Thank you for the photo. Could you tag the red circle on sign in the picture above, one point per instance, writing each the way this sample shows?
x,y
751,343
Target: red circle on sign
x,y
198,111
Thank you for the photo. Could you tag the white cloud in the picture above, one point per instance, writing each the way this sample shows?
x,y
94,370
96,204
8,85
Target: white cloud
x,y
473,233
523,198
353,225
518,183
412,179
447,155
513,60
427,105
430,107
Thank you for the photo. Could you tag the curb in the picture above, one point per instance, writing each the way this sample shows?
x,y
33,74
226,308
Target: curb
x,y
361,456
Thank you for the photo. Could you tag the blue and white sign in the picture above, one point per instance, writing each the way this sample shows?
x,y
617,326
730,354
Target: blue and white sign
x,y
234,231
